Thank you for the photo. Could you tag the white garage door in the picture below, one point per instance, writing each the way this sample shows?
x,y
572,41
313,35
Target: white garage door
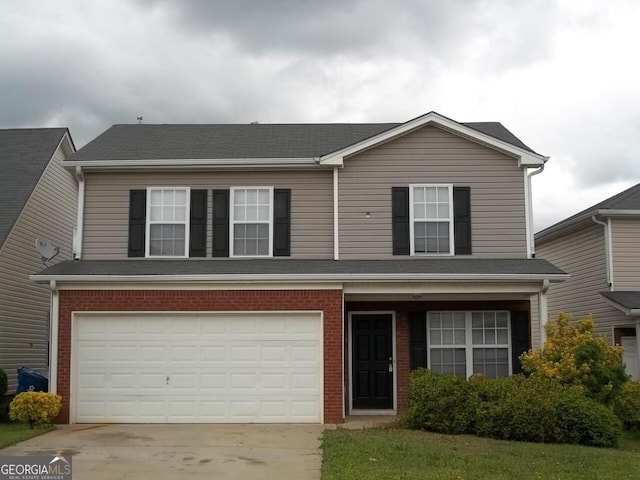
x,y
198,368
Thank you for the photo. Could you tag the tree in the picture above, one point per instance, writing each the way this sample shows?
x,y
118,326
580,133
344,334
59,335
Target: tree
x,y
576,358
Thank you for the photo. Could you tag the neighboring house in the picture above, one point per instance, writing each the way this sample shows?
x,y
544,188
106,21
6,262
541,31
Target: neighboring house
x,y
600,248
37,201
291,273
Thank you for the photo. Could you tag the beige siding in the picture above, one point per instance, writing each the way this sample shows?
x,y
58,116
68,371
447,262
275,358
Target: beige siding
x,y
582,255
432,155
24,305
107,206
625,234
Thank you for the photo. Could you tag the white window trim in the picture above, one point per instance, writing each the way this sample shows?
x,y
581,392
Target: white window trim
x,y
186,223
232,221
412,220
469,345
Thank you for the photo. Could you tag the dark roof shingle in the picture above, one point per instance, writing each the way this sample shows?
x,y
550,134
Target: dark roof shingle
x,y
24,155
627,299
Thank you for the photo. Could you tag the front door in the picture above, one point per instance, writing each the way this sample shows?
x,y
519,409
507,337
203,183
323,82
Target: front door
x,y
372,360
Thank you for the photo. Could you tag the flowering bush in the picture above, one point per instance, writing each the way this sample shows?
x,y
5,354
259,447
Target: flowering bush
x,y
574,357
35,408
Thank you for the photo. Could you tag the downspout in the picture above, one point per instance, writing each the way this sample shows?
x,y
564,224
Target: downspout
x,y
543,311
336,235
531,246
53,337
607,248
78,237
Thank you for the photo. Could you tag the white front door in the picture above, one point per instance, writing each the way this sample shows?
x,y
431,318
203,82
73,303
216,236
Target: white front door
x,y
630,356
198,368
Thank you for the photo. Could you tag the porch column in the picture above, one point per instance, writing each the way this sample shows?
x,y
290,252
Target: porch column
x,y
543,311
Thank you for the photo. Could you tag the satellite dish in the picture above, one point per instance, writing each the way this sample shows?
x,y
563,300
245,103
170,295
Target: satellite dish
x,y
46,249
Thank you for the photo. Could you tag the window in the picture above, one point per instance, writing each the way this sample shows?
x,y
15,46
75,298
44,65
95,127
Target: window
x,y
464,343
167,222
251,222
431,219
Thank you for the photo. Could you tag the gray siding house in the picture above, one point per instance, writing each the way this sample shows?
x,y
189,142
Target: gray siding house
x,y
291,273
38,201
600,248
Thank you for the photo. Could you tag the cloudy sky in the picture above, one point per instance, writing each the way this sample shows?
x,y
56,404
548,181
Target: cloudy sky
x,y
564,76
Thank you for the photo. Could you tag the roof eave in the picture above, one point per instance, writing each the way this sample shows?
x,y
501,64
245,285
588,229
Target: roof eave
x,y
524,157
554,230
626,310
192,163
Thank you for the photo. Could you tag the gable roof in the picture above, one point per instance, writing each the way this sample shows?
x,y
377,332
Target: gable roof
x,y
265,144
626,202
24,155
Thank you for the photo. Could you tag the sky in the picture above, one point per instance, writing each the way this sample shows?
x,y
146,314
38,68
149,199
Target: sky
x,y
563,76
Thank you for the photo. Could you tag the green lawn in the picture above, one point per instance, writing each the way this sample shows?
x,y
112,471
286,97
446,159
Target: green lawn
x,y
380,453
12,433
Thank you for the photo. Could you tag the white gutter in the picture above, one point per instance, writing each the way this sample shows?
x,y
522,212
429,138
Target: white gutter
x,y
309,277
586,215
195,163
336,233
53,337
607,249
531,245
78,237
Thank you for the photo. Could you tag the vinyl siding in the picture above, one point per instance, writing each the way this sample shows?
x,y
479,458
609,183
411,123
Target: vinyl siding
x,y
582,255
24,305
107,206
431,155
625,234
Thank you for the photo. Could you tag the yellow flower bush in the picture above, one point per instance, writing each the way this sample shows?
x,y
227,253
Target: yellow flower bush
x,y
35,408
576,358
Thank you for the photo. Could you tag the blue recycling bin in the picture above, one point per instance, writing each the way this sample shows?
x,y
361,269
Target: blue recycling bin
x,y
30,380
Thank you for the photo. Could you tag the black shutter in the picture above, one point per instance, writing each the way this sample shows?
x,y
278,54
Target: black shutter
x,y
462,220
220,223
198,224
137,219
281,222
417,340
400,220
520,337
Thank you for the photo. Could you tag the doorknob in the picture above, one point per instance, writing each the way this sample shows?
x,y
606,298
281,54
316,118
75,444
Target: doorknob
x,y
390,364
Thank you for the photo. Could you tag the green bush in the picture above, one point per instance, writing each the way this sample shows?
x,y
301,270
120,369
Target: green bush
x,y
35,408
627,405
440,403
4,383
585,421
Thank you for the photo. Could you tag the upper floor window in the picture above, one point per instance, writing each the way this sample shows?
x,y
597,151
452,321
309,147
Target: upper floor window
x,y
251,222
167,228
431,219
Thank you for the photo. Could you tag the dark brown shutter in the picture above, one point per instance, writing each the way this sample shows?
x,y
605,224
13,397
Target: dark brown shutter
x,y
520,337
417,340
281,222
462,220
137,219
400,220
198,224
220,223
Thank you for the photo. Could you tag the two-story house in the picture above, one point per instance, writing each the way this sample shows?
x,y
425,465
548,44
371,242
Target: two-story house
x,y
599,248
291,273
37,202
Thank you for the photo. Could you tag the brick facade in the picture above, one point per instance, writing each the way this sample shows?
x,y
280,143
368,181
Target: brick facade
x,y
329,301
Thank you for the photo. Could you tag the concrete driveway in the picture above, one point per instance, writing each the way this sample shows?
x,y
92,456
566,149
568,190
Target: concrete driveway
x,y
183,451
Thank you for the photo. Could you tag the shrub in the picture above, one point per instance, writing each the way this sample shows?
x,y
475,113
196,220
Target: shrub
x,y
627,405
440,403
574,357
35,408
4,383
585,421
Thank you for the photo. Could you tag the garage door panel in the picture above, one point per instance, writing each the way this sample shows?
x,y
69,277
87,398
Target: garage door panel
x,y
184,368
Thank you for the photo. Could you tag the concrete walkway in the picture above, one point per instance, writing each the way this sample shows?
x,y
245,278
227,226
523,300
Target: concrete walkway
x,y
183,451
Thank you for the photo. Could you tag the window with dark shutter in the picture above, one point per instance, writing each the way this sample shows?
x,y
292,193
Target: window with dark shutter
x,y
462,220
281,222
137,222
220,223
520,338
400,220
198,224
417,340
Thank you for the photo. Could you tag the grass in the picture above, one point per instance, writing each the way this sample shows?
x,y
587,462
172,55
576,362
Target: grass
x,y
12,433
379,453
